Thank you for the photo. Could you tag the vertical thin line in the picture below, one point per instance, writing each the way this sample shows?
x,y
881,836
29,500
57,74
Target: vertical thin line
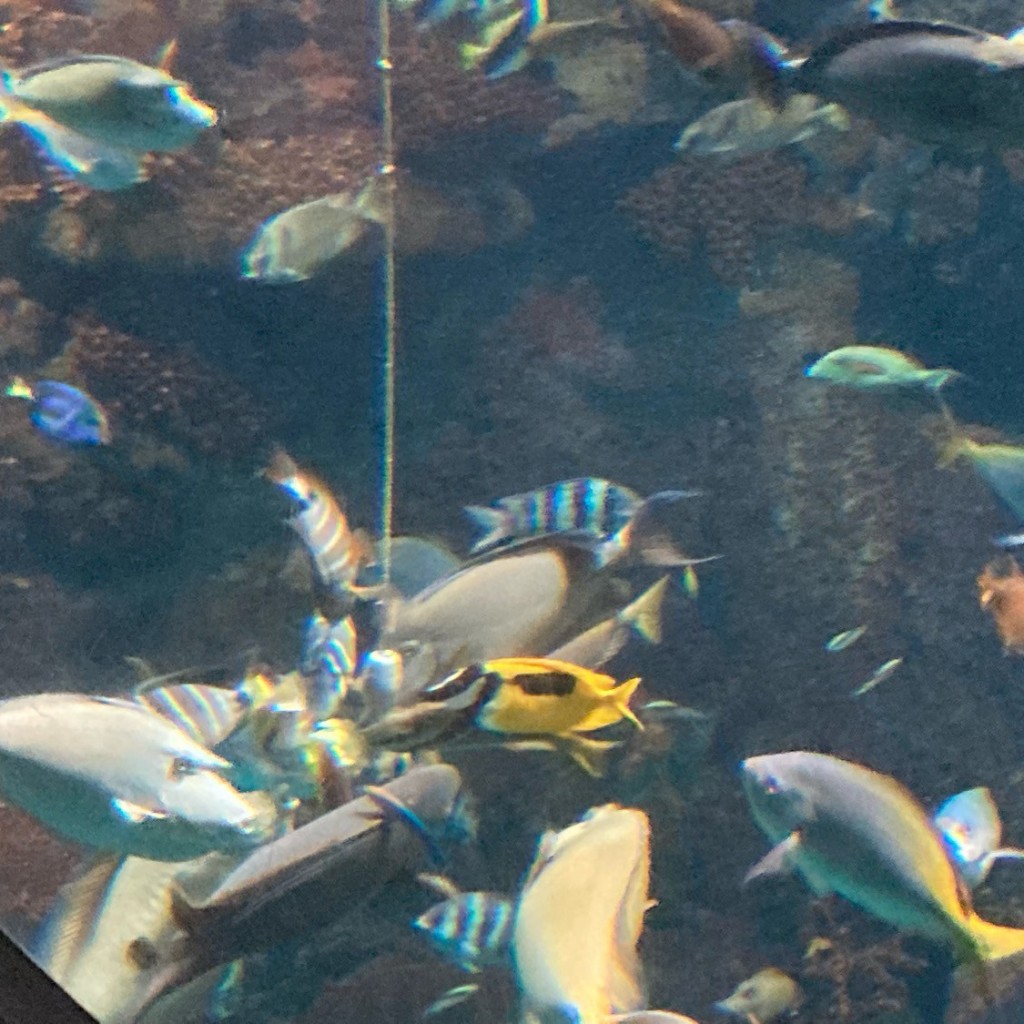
x,y
386,171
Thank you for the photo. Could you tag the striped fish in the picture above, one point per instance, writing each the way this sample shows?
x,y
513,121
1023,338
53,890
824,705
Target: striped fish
x,y
472,929
329,660
588,504
338,553
207,714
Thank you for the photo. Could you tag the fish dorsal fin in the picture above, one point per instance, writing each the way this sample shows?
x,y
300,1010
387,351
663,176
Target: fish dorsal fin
x,y
442,885
166,55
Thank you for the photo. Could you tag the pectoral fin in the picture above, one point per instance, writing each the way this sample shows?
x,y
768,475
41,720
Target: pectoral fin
x,y
777,861
136,813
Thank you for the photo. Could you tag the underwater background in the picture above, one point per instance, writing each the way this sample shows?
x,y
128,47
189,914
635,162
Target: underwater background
x,y
574,299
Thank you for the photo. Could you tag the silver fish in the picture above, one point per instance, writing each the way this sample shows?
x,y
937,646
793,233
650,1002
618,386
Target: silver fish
x,y
580,915
847,638
113,775
883,672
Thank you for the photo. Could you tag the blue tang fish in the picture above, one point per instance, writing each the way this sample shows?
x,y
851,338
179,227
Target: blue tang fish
x,y
62,412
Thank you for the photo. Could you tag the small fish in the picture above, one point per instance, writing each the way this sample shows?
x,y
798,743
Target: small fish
x,y
588,504
62,412
296,243
96,116
970,824
207,714
329,660
753,125
472,929
338,553
880,675
1001,593
579,918
853,831
847,638
538,696
870,367
1009,541
1001,466
453,997
111,774
764,997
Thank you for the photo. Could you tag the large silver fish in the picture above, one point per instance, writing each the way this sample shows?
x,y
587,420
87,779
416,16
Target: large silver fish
x,y
933,81
523,600
850,830
579,918
309,878
112,775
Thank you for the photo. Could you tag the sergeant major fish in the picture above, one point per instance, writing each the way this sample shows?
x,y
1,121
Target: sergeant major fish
x,y
62,412
850,830
338,553
472,929
970,824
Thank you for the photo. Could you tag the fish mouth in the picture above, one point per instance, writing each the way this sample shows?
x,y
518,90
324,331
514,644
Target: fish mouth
x,y
722,1006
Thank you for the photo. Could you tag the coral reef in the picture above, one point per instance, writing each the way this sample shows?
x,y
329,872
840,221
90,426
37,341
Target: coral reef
x,y
25,326
165,392
729,208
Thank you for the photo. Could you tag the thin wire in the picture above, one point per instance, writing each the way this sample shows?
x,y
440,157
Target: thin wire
x,y
386,172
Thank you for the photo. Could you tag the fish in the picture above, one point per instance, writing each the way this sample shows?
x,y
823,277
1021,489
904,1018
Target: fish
x,y
471,929
847,638
63,412
933,81
531,696
1001,593
207,714
112,775
970,825
1001,466
753,125
875,367
338,553
589,505
856,832
579,917
764,997
295,244
452,997
96,116
109,927
329,659
526,599
599,644
880,675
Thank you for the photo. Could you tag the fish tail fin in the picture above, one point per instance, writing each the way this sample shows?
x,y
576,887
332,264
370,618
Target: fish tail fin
x,y
995,941
936,380
648,538
281,467
623,695
19,388
491,521
644,614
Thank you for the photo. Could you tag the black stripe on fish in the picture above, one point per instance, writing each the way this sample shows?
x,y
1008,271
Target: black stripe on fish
x,y
545,684
454,685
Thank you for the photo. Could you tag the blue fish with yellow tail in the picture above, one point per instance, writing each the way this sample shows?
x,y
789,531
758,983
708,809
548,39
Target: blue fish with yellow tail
x,y
338,552
62,412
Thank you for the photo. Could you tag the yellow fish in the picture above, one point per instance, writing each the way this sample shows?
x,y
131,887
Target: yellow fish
x,y
540,696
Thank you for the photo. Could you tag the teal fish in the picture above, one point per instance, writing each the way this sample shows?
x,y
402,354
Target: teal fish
x,y
874,367
847,638
767,996
1001,466
970,824
880,675
850,830
95,116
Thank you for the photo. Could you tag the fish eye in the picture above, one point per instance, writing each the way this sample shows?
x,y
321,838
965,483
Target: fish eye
x,y
180,767
771,785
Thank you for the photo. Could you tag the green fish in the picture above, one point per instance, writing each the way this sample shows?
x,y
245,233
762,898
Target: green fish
x,y
875,367
853,831
1001,466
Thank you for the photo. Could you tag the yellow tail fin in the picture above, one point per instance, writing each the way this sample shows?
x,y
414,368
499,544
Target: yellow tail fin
x,y
622,698
996,941
644,614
